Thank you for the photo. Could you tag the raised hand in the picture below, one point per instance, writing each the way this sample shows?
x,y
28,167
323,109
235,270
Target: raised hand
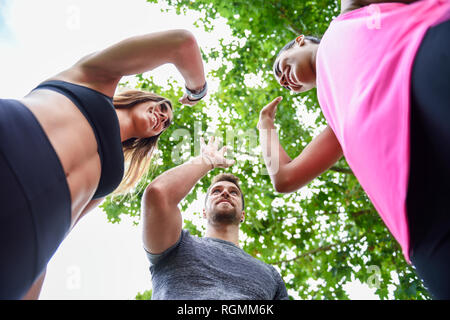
x,y
212,155
184,100
267,114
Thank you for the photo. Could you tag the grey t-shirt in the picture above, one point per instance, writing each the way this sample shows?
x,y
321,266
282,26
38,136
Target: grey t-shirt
x,y
207,268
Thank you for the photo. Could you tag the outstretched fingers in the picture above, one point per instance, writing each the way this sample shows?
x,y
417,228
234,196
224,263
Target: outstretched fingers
x,y
213,154
202,143
223,151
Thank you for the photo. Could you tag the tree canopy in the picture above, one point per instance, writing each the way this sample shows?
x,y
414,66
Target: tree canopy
x,y
324,235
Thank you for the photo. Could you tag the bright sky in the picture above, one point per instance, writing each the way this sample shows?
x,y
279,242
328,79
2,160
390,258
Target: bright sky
x,y
38,39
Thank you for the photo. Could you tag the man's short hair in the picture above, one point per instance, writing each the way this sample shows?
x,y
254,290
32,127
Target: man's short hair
x,y
226,177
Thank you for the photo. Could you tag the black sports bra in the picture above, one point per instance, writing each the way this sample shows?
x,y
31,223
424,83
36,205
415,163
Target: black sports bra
x,y
99,110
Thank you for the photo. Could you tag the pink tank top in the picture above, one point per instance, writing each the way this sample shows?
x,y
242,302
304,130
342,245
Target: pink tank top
x,y
363,69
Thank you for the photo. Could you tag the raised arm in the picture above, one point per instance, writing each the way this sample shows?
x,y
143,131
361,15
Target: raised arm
x,y
104,69
162,221
289,175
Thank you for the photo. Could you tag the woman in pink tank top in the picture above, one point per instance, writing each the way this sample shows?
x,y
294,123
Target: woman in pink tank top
x,y
382,75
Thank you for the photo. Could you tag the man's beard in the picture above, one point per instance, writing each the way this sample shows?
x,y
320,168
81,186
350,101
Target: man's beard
x,y
224,217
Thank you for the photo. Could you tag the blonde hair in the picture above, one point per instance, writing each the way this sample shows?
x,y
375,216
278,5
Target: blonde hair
x,y
137,151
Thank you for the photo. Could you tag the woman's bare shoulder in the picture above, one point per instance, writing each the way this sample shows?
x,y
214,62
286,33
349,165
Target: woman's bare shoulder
x,y
94,79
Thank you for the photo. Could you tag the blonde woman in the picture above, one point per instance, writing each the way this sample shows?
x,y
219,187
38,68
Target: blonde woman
x,y
63,147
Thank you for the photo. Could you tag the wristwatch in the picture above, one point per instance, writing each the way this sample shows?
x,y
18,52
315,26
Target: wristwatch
x,y
195,95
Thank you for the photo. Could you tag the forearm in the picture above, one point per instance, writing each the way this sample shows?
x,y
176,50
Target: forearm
x,y
176,183
317,157
290,175
190,64
274,155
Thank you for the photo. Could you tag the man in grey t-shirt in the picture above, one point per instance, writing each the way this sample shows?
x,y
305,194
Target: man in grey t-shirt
x,y
212,267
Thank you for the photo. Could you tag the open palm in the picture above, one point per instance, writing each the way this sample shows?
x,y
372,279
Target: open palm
x,y
211,153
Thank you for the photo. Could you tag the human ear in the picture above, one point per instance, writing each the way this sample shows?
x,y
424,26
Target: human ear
x,y
242,216
300,40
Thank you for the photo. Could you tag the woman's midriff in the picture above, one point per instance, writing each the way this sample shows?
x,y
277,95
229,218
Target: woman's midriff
x,y
74,142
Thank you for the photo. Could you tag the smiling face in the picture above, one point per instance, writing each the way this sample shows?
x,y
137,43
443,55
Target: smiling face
x,y
224,204
151,118
294,68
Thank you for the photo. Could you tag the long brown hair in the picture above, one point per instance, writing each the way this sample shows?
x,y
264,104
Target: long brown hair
x,y
137,151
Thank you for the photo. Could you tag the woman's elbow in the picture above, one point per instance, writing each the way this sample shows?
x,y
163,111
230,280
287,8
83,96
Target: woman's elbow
x,y
182,33
184,38
280,188
286,184
283,188
282,185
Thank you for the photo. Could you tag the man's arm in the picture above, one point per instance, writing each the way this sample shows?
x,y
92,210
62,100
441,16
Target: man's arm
x,y
162,221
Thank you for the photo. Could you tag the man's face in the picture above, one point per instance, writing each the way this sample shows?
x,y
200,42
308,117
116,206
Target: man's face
x,y
224,204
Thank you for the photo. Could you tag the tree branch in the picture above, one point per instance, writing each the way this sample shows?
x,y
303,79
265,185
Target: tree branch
x,y
341,170
361,212
324,248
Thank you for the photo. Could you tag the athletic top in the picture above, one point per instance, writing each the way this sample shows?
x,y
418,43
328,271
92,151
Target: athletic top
x,y
364,65
212,269
99,110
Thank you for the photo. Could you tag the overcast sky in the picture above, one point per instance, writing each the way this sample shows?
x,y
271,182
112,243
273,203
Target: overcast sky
x,y
38,39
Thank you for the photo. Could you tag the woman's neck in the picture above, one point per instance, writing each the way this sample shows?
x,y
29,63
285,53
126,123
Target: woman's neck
x,y
314,58
126,124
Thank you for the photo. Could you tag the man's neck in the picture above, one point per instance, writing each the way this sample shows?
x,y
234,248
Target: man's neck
x,y
228,233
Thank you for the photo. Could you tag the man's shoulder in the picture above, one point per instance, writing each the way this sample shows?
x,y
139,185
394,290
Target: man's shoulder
x,y
186,236
187,240
270,268
157,258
